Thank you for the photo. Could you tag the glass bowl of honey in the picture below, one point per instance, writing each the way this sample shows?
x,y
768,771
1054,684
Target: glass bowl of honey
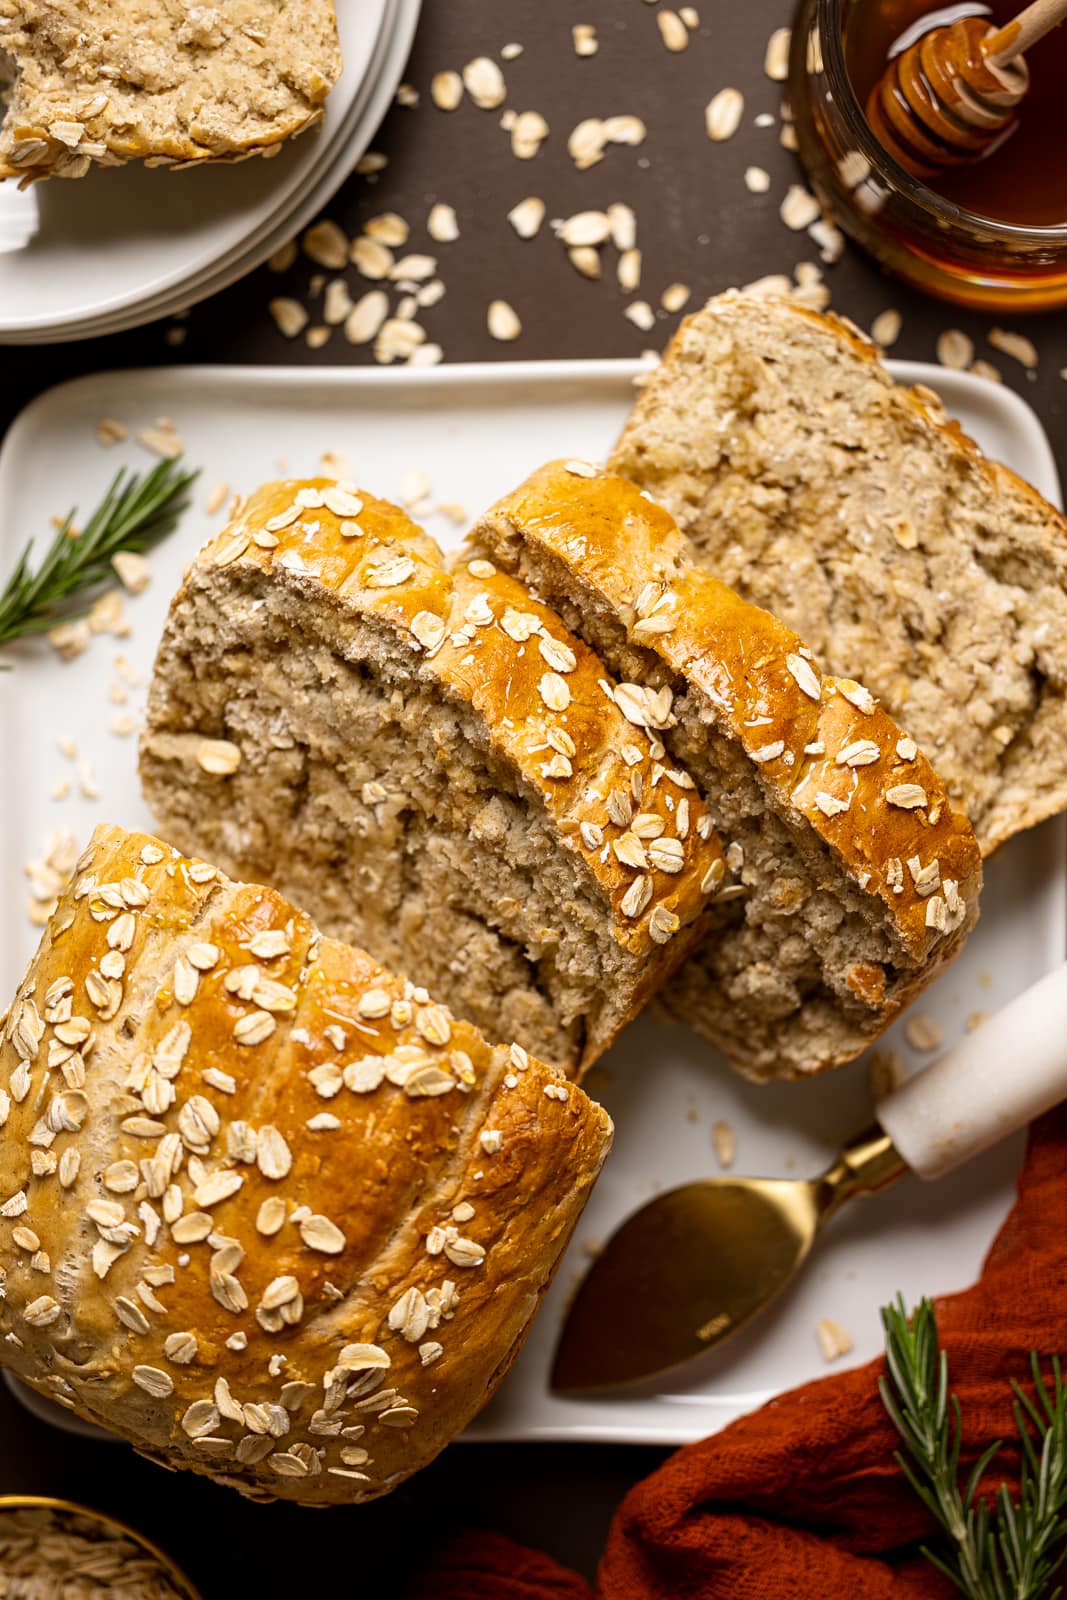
x,y
990,233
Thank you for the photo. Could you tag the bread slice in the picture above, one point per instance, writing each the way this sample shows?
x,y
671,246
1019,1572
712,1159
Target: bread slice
x,y
428,762
856,878
111,81
853,509
269,1212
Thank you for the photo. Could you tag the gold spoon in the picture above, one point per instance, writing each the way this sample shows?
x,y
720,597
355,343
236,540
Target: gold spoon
x,y
695,1265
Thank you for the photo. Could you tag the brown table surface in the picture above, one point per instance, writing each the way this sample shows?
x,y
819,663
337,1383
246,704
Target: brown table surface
x,y
697,224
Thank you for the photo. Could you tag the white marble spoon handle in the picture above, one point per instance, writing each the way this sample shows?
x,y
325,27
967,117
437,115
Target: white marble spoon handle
x,y
994,1081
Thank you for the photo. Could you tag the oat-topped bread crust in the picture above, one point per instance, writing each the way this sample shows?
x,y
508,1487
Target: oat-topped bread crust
x,y
269,1212
857,512
855,877
111,81
427,759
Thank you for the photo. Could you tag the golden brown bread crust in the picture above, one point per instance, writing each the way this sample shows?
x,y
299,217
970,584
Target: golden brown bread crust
x,y
419,1186
746,662
480,636
823,749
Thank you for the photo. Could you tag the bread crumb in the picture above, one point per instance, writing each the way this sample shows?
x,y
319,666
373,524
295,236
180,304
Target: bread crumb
x,y
976,1019
724,1142
833,1339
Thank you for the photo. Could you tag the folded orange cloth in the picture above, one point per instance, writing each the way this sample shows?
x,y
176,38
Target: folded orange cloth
x,y
803,1498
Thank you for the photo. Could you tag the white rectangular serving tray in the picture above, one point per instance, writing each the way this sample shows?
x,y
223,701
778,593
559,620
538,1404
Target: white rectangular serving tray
x,y
475,431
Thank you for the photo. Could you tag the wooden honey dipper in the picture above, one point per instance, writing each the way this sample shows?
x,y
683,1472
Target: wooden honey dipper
x,y
948,98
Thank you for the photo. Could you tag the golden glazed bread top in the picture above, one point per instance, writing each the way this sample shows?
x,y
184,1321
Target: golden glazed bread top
x,y
824,749
265,1209
591,758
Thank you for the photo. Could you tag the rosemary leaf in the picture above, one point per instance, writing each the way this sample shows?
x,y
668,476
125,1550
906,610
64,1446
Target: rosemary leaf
x,y
136,513
1007,1550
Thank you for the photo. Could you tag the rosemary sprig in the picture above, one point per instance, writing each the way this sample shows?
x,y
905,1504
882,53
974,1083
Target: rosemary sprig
x,y
1012,1549
137,511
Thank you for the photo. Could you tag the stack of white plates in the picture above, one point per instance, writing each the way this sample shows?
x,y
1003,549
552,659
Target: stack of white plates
x,y
128,245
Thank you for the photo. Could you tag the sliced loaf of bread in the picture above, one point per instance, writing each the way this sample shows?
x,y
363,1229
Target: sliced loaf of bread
x,y
855,877
428,761
103,82
852,508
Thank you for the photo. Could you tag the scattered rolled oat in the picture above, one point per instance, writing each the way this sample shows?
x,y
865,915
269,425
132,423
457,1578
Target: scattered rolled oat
x,y
776,58
675,296
799,209
337,302
526,218
723,113
833,1339
316,337
672,30
326,244
955,349
585,227
446,90
628,270
585,260
283,259
885,329
441,224
724,1142
388,228
371,257
216,499
502,321
641,314
290,318
976,1019
1015,345
584,37
528,133
110,431
366,317
162,440
986,369
923,1033
757,180
484,82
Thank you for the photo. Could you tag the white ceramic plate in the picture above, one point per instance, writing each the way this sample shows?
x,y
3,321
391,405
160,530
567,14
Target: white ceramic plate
x,y
475,431
118,241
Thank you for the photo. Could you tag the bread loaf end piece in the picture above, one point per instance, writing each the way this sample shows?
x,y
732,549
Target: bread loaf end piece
x,y
430,763
855,510
852,877
104,82
266,1210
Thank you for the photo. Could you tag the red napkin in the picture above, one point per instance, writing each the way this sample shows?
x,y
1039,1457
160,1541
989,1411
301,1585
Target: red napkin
x,y
803,1498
